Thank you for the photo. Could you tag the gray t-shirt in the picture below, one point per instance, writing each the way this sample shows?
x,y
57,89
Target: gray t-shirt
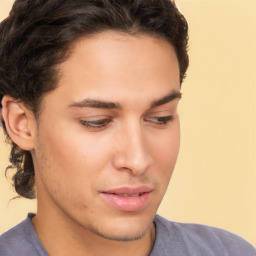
x,y
172,239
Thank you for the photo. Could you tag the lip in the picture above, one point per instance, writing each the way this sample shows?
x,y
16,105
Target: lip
x,y
128,199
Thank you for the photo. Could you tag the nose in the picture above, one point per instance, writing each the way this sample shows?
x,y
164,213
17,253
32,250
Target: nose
x,y
132,150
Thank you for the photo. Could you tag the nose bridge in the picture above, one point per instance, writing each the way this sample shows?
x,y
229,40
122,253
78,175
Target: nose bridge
x,y
133,151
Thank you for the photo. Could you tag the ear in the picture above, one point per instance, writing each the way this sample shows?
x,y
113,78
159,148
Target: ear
x,y
19,121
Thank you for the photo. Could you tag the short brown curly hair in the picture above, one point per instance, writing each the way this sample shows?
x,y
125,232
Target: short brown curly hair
x,y
38,34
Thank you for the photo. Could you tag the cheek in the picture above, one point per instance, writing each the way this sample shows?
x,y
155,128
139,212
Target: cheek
x,y
168,146
75,153
166,153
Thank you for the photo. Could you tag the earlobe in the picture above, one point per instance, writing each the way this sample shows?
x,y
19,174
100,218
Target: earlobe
x,y
19,122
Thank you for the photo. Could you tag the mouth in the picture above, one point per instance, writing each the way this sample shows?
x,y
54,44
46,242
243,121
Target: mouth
x,y
126,195
127,199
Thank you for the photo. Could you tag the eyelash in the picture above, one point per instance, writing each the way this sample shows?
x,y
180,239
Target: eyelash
x,y
162,120
96,124
103,123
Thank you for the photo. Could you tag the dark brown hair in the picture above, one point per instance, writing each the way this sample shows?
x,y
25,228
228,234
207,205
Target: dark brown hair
x,y
38,34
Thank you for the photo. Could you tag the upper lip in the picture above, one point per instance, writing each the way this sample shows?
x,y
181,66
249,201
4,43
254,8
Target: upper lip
x,y
129,190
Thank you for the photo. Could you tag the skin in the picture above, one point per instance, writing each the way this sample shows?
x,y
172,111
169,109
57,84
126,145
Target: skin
x,y
74,162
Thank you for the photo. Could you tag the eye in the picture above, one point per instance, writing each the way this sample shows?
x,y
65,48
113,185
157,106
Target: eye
x,y
96,124
161,120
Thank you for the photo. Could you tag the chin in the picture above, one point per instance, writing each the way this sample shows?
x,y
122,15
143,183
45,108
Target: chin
x,y
126,235
125,228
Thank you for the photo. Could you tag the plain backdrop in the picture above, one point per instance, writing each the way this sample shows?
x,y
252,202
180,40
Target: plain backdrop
x,y
214,182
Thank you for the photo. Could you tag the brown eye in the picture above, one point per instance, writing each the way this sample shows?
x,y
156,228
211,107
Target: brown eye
x,y
161,120
96,124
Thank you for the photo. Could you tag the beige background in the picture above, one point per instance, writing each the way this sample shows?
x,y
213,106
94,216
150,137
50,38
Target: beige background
x,y
215,179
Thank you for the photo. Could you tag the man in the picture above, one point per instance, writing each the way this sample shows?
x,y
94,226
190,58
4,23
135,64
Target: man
x,y
89,92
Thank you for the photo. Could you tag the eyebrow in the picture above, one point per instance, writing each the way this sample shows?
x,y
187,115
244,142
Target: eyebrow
x,y
91,103
170,97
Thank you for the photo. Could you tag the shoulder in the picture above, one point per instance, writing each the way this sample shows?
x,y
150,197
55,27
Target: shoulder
x,y
196,239
14,240
20,240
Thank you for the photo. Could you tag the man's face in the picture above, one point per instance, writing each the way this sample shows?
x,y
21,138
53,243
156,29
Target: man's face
x,y
108,136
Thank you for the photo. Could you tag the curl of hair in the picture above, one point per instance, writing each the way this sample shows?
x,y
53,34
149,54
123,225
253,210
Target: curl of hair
x,y
38,35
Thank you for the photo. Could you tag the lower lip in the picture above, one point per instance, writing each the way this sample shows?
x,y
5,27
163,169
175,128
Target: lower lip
x,y
128,204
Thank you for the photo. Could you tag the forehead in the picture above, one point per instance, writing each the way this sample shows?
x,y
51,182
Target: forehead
x,y
116,65
115,48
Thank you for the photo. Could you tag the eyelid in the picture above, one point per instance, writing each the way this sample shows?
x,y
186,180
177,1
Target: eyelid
x,y
94,117
161,109
169,107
